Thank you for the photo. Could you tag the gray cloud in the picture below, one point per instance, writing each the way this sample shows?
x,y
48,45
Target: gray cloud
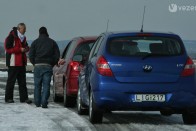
x,y
66,19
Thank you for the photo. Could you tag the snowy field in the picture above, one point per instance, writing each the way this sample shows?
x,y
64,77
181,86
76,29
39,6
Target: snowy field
x,y
2,62
29,66
23,117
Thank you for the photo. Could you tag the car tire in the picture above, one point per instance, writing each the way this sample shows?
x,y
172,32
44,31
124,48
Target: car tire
x,y
68,101
95,115
189,118
80,108
55,97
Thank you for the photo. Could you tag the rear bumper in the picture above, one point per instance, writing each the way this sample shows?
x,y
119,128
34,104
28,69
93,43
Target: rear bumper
x,y
112,95
58,82
72,86
122,101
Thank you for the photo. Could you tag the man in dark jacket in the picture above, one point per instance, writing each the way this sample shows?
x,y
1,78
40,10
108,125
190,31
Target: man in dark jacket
x,y
16,47
44,54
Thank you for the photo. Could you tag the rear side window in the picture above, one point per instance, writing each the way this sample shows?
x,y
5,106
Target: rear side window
x,y
96,47
70,49
66,49
142,46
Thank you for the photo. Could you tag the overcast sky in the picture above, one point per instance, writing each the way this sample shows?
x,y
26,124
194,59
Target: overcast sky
x,y
66,19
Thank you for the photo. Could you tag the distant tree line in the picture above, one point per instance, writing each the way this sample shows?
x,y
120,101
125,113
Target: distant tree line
x,y
190,46
2,52
62,44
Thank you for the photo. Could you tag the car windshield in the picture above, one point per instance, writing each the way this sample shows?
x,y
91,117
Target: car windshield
x,y
144,46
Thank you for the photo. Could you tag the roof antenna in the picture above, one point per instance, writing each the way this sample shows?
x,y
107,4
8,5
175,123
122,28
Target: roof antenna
x,y
107,26
143,19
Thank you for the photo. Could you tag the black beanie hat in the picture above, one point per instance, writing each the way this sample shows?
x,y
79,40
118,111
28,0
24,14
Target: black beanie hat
x,y
43,30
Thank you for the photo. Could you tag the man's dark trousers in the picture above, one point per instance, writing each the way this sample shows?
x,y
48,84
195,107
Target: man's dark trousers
x,y
16,73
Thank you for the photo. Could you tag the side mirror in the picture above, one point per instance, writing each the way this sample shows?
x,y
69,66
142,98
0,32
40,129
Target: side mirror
x,y
78,58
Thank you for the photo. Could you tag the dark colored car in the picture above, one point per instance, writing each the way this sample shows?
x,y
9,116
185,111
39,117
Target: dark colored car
x,y
65,80
138,71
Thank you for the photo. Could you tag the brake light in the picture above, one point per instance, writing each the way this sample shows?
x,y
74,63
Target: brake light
x,y
103,67
75,66
189,68
144,34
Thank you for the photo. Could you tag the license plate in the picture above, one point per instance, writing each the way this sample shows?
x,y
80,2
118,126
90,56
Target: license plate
x,y
148,97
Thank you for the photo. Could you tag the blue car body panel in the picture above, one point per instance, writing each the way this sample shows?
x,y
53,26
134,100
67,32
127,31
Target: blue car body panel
x,y
118,92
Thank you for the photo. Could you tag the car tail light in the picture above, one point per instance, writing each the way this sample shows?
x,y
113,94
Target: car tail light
x,y
75,66
103,67
189,68
144,34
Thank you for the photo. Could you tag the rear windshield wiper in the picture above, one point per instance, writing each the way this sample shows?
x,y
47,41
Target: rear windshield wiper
x,y
154,55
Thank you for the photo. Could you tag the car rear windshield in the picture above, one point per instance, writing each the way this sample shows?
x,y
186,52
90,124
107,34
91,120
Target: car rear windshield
x,y
84,49
142,46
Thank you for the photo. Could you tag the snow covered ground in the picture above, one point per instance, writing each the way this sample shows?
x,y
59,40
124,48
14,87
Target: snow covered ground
x,y
23,117
3,62
4,74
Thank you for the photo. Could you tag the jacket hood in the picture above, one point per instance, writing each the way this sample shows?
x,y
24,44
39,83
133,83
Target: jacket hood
x,y
14,31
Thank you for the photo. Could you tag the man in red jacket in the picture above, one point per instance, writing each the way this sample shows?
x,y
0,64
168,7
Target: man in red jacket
x,y
16,47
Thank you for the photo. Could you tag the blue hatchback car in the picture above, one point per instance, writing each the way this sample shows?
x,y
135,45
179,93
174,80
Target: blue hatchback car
x,y
146,71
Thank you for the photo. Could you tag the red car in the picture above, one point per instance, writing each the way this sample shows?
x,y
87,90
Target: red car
x,y
65,77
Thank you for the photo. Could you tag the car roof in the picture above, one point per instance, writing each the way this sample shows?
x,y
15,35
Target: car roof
x,y
135,33
85,38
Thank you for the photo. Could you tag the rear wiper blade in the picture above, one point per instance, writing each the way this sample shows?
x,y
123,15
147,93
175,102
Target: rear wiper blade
x,y
154,55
